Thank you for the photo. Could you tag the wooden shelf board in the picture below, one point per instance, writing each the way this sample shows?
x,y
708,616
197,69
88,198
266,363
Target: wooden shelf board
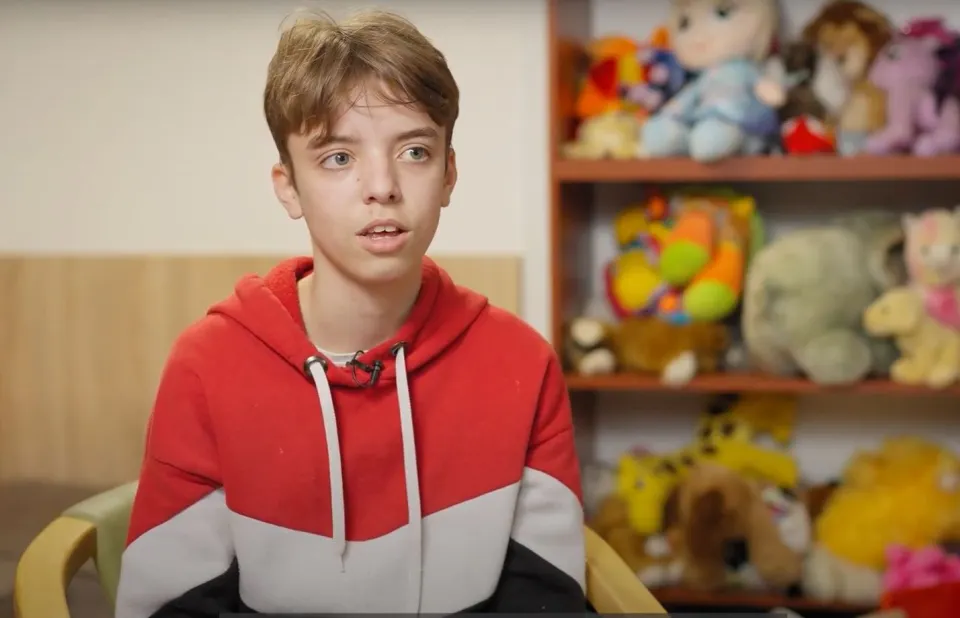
x,y
767,169
744,383
680,596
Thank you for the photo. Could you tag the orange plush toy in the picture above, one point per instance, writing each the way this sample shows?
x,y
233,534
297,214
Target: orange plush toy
x,y
613,62
706,253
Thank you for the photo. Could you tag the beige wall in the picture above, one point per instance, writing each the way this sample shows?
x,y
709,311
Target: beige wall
x,y
85,339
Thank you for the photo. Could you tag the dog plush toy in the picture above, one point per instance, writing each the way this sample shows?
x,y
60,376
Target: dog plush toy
x,y
737,532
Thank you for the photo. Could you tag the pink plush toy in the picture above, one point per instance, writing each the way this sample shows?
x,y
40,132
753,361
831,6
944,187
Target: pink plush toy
x,y
911,569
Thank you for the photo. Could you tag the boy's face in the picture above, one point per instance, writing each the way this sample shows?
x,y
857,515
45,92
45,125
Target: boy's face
x,y
372,191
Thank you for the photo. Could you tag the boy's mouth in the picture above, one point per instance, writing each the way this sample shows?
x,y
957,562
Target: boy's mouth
x,y
382,230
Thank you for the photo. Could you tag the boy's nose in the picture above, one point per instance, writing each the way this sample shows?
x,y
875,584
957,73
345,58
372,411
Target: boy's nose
x,y
379,183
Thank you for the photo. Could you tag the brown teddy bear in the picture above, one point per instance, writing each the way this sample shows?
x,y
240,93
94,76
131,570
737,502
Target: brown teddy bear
x,y
676,353
737,532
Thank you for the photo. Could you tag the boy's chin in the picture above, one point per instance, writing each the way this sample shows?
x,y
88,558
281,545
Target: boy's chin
x,y
379,271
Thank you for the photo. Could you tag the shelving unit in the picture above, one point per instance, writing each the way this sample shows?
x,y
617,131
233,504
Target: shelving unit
x,y
745,383
574,199
760,169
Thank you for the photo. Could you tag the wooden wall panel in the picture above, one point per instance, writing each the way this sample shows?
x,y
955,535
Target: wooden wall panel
x,y
84,340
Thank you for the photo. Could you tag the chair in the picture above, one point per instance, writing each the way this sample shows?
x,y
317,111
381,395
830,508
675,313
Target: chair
x,y
96,529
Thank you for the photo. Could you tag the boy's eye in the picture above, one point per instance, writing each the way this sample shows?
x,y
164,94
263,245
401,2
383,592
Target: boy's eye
x,y
683,23
417,153
337,159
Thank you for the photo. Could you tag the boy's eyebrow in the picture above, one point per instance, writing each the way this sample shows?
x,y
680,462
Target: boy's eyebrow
x,y
422,133
320,140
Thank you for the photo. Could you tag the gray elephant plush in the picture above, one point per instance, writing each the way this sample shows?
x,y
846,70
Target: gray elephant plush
x,y
805,295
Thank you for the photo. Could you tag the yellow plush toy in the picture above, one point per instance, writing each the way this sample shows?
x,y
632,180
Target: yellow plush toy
x,y
644,482
751,415
751,460
728,436
929,350
611,135
908,494
633,281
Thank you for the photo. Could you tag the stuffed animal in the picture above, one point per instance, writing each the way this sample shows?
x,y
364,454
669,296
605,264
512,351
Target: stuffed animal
x,y
682,257
918,121
589,348
729,107
706,252
734,532
806,293
676,353
948,52
932,251
610,135
749,416
645,482
632,279
929,351
913,569
751,460
662,76
816,95
612,66
650,557
625,75
851,33
910,497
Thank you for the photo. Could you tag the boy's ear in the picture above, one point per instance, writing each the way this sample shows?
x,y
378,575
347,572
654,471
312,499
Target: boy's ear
x,y
285,188
450,177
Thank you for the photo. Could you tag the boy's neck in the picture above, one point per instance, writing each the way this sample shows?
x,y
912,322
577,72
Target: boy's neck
x,y
343,316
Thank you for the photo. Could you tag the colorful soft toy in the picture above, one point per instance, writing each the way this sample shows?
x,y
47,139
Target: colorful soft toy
x,y
612,64
683,257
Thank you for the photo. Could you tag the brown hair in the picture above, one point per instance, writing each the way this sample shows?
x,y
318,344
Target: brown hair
x,y
321,66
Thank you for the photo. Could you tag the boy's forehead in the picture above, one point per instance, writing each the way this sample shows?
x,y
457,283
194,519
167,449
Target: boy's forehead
x,y
373,114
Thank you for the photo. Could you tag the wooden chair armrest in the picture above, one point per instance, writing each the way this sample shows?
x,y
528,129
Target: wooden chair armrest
x,y
613,588
48,565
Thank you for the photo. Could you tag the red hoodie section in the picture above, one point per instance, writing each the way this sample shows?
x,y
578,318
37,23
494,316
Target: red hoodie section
x,y
237,409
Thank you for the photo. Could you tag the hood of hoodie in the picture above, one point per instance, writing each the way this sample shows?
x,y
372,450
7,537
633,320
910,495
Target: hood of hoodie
x,y
268,307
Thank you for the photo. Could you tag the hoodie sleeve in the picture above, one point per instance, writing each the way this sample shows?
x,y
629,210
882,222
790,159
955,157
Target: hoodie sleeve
x,y
545,567
179,558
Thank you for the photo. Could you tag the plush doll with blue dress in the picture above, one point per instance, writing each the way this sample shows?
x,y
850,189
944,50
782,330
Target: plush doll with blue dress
x,y
730,106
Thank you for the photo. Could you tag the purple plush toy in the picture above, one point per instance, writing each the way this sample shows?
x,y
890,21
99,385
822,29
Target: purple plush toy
x,y
923,110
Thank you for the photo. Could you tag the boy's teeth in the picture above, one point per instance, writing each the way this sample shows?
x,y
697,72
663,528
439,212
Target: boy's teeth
x,y
380,229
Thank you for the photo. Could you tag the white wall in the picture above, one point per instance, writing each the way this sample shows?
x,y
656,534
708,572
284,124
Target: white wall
x,y
136,127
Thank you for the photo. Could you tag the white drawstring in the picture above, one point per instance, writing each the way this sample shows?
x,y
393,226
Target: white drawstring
x,y
410,469
412,480
337,509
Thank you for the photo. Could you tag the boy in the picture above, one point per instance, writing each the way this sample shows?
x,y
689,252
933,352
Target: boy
x,y
434,470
